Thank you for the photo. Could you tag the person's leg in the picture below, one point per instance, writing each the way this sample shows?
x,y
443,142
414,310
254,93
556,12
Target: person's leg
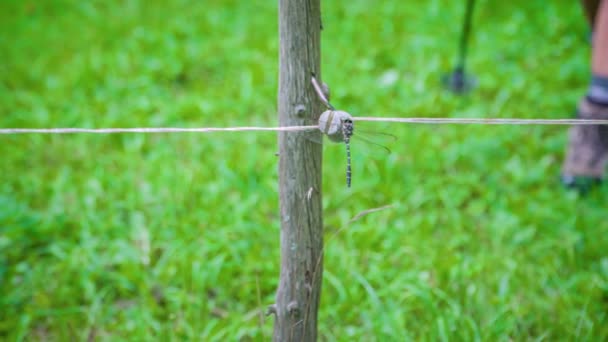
x,y
587,151
599,58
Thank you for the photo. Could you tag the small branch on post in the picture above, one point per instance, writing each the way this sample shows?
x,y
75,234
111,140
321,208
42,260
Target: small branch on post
x,y
299,290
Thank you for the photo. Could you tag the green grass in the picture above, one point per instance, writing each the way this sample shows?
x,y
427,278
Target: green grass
x,y
176,236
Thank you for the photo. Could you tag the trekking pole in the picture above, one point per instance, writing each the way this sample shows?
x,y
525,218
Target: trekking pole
x,y
458,81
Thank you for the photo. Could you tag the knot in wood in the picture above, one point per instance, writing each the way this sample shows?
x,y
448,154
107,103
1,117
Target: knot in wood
x,y
331,124
293,309
271,310
300,110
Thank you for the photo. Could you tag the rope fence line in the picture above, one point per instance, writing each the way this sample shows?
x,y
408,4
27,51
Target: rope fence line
x,y
151,130
428,121
486,121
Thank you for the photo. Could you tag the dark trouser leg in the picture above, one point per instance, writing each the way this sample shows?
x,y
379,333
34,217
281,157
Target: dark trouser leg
x,y
587,152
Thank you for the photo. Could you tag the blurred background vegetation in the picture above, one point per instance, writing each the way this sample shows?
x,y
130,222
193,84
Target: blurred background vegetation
x,y
175,236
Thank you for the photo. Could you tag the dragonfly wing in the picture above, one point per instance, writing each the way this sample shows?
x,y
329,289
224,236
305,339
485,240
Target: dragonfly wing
x,y
377,139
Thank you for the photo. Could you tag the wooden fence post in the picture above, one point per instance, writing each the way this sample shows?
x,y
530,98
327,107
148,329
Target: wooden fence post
x,y
299,289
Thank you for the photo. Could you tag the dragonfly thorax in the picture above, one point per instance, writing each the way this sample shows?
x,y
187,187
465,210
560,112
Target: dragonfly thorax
x,y
348,128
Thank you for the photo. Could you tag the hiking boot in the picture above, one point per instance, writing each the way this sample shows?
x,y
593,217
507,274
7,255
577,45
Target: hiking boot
x,y
587,151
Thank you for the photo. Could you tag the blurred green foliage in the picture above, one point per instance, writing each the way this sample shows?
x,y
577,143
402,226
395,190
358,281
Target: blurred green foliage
x,y
175,236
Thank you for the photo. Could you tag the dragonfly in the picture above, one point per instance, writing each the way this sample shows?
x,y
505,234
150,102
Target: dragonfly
x,y
339,127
